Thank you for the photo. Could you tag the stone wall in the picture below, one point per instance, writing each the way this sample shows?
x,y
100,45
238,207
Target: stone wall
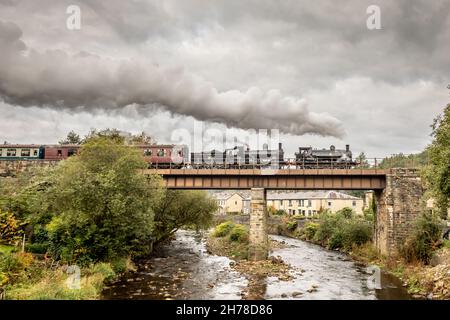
x,y
10,168
398,205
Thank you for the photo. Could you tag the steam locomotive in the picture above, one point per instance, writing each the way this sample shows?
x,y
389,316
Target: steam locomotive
x,y
177,156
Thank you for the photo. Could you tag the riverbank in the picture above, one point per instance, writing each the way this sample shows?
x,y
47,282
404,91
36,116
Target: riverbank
x,y
421,281
24,276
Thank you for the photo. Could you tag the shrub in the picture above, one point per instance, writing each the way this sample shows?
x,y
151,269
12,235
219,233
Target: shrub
x,y
39,248
239,233
105,269
424,239
280,212
310,230
356,232
291,225
223,229
346,213
10,228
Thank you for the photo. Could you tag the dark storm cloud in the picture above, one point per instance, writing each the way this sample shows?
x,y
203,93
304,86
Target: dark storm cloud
x,y
378,83
55,79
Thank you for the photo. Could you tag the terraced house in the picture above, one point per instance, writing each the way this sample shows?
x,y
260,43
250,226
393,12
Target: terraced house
x,y
309,203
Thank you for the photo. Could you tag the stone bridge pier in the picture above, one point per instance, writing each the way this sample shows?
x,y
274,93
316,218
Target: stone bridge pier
x,y
258,238
398,204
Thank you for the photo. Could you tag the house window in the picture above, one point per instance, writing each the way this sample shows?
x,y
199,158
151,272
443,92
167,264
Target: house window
x,y
10,152
235,202
281,202
293,211
303,212
309,212
309,203
302,203
329,203
290,203
354,203
290,211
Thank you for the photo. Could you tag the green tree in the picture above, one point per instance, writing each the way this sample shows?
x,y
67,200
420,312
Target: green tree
x,y
142,138
72,138
194,209
112,134
104,206
437,172
362,161
405,161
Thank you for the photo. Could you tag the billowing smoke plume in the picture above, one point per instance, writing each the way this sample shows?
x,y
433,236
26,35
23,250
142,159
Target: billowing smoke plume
x,y
56,79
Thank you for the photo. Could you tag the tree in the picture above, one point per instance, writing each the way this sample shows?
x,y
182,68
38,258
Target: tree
x,y
178,209
405,161
142,138
72,138
437,172
103,204
112,134
362,160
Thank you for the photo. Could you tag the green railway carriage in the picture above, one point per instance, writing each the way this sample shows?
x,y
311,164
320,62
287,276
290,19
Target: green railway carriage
x,y
21,152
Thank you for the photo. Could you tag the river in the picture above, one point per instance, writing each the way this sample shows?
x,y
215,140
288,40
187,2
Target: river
x,y
184,269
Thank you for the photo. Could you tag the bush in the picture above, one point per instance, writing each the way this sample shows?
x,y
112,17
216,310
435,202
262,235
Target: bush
x,y
10,228
424,239
223,229
310,230
280,212
239,233
291,225
340,231
346,213
105,269
39,248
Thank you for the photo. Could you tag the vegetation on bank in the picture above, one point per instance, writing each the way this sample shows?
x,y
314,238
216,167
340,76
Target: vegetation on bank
x,y
231,239
94,210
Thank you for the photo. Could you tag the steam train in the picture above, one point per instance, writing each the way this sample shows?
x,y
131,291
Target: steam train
x,y
178,156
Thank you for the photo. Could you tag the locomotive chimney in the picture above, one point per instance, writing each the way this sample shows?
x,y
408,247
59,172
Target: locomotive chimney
x,y
347,147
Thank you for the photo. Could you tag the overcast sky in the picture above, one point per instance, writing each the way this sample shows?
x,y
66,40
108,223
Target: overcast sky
x,y
311,69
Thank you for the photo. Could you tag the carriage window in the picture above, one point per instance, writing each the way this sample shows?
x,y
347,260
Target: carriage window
x,y
35,153
147,152
161,152
59,153
71,152
11,152
25,153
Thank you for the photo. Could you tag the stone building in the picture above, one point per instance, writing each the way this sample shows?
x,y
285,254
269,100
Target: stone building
x,y
233,202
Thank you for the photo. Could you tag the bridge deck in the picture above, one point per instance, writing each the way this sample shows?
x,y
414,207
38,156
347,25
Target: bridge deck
x,y
350,179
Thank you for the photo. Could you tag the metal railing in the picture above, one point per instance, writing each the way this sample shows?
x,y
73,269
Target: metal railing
x,y
292,163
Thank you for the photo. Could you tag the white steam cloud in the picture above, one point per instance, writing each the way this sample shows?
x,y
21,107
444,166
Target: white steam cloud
x,y
56,79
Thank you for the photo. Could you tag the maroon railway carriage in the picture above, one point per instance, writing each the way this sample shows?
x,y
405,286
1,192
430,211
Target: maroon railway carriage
x,y
165,156
60,152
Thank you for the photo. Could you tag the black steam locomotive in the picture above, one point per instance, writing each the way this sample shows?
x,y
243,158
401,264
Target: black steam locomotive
x,y
308,157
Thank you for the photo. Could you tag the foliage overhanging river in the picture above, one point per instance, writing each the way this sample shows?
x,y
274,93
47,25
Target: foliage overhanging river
x,y
184,270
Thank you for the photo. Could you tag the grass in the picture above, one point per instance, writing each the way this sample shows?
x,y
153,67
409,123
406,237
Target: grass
x,y
6,249
53,285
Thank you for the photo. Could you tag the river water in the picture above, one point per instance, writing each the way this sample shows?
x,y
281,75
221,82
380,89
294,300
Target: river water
x,y
184,270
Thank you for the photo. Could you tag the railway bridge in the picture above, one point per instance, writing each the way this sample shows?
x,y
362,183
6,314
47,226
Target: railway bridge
x,y
398,194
